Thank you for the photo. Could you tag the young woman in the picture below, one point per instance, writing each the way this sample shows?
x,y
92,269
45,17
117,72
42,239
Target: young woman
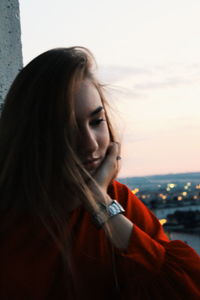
x,y
68,230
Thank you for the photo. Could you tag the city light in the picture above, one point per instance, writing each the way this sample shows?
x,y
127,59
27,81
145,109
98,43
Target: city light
x,y
171,185
163,196
180,198
184,193
135,191
188,184
163,221
198,186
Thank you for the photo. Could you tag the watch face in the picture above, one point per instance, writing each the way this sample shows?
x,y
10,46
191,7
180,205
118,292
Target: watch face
x,y
106,212
115,208
112,209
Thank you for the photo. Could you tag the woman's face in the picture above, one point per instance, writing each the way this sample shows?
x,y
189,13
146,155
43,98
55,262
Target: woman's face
x,y
94,136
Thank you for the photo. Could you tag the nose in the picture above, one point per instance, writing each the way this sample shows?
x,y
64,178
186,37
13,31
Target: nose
x,y
89,142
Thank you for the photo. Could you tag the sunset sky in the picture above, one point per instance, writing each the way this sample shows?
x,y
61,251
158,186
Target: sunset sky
x,y
148,52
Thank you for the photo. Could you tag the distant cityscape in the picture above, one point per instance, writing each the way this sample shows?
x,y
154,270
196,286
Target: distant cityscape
x,y
175,200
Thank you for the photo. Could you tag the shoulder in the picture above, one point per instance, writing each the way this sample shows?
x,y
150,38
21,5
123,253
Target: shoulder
x,y
118,190
126,198
122,193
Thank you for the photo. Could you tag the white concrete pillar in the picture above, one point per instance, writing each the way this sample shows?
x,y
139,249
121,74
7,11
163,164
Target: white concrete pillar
x,y
10,44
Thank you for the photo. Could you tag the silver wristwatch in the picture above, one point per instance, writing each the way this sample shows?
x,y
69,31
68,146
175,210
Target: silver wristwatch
x,y
107,211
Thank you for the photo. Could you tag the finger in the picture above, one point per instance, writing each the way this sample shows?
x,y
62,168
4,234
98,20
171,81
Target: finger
x,y
113,150
119,147
118,160
111,159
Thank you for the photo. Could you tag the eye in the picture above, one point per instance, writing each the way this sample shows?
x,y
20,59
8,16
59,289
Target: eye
x,y
97,122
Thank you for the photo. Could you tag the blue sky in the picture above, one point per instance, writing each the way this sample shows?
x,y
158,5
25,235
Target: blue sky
x,y
148,52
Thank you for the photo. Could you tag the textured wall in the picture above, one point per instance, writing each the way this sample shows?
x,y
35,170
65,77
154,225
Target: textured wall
x,y
10,44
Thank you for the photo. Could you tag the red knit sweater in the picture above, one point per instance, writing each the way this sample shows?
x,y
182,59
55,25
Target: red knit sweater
x,y
153,267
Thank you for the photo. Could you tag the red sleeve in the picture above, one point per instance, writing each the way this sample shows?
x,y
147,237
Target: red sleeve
x,y
153,267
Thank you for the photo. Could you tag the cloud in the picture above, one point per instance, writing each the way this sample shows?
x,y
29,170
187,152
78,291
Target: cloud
x,y
132,81
165,83
113,74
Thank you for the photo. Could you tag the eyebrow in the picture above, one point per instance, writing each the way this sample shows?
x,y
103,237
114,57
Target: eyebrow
x,y
96,111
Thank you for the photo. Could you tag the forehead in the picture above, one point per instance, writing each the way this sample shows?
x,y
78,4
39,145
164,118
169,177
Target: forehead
x,y
87,100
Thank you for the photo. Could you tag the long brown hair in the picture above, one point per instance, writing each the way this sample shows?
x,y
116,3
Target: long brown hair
x,y
39,169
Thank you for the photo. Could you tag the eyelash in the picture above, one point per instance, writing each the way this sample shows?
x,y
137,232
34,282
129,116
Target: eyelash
x,y
97,122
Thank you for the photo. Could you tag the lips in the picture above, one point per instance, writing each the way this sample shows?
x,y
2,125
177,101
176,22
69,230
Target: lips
x,y
91,163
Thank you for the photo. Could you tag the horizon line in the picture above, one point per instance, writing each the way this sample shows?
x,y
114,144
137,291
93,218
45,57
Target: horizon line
x,y
163,174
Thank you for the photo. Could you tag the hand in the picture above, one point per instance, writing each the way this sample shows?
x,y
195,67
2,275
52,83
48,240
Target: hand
x,y
105,173
109,168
